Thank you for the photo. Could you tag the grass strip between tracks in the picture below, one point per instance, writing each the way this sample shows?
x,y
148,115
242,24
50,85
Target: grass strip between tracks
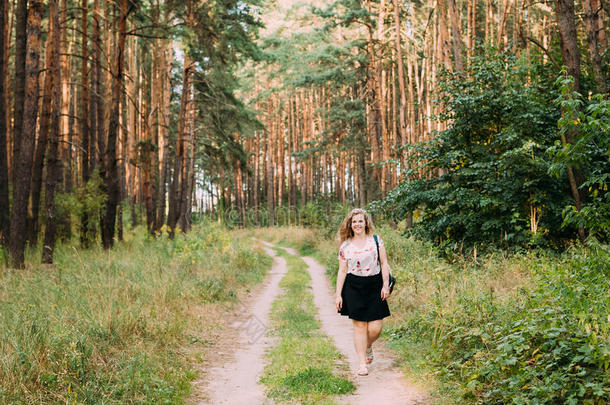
x,y
303,363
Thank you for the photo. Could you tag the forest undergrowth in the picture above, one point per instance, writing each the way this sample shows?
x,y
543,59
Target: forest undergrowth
x,y
121,326
527,328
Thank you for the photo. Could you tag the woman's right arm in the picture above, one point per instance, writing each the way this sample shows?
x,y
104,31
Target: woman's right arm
x,y
340,280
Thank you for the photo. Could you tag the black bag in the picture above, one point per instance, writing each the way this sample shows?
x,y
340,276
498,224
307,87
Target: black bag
x,y
392,279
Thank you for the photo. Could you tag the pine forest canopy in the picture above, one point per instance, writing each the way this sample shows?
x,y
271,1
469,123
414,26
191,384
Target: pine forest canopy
x,y
475,122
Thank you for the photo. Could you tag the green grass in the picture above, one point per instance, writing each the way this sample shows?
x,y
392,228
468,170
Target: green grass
x,y
523,328
119,326
303,364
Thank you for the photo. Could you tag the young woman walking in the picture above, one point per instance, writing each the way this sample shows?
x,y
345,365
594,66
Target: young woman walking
x,y
362,283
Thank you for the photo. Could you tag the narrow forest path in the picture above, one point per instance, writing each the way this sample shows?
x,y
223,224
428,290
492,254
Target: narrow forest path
x,y
385,383
235,363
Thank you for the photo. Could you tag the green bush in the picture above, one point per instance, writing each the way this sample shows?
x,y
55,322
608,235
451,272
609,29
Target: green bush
x,y
527,328
486,179
589,123
546,342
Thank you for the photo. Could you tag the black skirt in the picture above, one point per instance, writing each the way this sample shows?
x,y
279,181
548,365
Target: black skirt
x,y
362,298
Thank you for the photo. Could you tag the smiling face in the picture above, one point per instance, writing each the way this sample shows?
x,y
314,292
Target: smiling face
x,y
358,224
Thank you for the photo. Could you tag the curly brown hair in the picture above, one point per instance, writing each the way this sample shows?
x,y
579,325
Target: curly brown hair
x,y
345,230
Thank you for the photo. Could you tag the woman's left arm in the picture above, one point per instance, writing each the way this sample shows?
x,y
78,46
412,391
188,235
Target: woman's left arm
x,y
385,272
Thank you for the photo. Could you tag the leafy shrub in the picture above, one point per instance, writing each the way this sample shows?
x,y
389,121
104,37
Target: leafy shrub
x,y
589,122
486,178
546,342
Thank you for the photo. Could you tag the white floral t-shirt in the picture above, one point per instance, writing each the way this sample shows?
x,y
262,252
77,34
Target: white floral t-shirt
x,y
361,261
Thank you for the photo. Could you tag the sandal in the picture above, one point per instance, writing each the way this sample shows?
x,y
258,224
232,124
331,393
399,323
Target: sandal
x,y
369,355
363,370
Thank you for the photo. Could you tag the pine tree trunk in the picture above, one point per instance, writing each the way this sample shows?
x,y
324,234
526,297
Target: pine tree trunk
x,y
87,227
98,86
7,81
502,40
53,178
64,119
130,130
163,136
257,154
84,101
282,159
21,23
471,28
24,161
594,24
187,168
4,189
456,36
298,136
443,47
401,84
189,174
178,181
270,177
94,85
488,22
111,175
43,134
146,163
290,148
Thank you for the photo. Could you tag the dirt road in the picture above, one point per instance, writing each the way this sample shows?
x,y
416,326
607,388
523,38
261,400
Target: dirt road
x,y
240,350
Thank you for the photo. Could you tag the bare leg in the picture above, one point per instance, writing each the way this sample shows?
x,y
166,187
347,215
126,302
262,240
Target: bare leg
x,y
373,331
360,341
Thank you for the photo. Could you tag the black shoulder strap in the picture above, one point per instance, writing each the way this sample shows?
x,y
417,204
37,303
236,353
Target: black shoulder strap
x,y
377,243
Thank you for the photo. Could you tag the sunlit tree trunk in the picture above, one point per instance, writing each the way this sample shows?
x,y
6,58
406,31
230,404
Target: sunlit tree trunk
x,y
502,40
163,136
146,161
257,171
380,100
280,142
489,21
269,176
43,132
189,173
471,27
373,105
130,128
180,157
64,119
456,36
443,46
291,150
401,83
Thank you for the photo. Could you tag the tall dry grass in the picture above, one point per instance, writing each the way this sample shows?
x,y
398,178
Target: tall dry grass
x,y
119,326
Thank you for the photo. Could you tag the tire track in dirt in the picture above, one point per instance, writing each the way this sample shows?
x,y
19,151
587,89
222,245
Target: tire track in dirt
x,y
239,351
385,383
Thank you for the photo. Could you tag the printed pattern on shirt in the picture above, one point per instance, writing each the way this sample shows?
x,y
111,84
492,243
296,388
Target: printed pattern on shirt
x,y
361,261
